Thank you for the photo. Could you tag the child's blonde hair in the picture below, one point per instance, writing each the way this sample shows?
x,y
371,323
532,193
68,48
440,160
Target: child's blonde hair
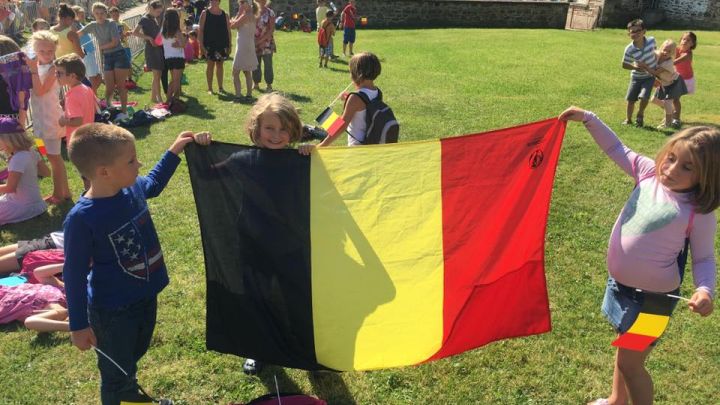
x,y
285,110
78,10
94,145
100,5
703,143
39,36
17,140
40,24
671,44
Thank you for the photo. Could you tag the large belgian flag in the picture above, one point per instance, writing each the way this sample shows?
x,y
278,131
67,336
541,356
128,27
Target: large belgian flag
x,y
375,256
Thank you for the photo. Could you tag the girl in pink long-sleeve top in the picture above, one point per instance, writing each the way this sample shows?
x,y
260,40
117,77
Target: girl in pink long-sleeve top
x,y
672,207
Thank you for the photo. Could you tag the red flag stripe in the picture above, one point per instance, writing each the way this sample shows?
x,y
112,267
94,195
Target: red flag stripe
x,y
496,190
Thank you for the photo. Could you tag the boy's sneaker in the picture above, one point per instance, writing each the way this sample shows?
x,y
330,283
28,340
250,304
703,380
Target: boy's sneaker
x,y
639,121
662,126
626,122
676,124
252,367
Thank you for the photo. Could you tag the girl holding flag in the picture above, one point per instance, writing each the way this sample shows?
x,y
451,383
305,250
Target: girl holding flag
x,y
671,208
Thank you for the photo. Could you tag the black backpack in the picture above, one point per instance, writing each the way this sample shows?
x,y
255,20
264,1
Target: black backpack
x,y
380,123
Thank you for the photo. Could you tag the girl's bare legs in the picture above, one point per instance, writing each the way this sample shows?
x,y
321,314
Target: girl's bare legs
x,y
637,381
121,76
248,83
61,189
156,94
109,86
668,106
95,82
678,109
8,261
209,74
619,394
174,88
52,320
219,74
237,83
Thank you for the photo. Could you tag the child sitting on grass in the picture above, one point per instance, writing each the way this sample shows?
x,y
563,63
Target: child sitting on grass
x,y
20,197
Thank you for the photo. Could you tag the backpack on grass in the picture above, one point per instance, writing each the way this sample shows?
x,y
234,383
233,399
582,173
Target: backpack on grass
x,y
381,126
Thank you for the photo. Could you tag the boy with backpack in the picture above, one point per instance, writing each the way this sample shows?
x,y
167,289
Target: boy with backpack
x,y
366,117
326,30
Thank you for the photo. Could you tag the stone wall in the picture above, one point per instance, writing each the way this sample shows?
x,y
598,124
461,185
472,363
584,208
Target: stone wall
x,y
692,14
695,14
445,13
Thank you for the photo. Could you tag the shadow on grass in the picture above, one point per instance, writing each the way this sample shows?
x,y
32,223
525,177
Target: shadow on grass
x,y
333,69
199,110
703,124
284,382
11,327
46,339
34,228
298,98
329,386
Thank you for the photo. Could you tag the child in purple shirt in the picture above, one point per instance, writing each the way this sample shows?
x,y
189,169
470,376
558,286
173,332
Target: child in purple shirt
x,y
673,202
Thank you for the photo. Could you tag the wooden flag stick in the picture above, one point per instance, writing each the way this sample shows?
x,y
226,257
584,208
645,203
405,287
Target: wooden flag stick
x,y
340,95
667,295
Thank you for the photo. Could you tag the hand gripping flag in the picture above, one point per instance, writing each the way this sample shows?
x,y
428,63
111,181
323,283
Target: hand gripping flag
x,y
375,256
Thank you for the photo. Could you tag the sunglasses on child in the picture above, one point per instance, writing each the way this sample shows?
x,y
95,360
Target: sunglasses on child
x,y
634,31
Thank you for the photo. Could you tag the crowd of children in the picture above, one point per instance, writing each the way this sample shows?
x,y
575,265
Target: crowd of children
x,y
112,263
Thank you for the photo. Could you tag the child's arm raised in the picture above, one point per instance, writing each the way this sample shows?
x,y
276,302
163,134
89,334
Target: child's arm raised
x,y
39,87
623,156
154,183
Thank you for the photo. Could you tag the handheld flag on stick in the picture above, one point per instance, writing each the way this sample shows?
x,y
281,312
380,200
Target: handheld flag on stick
x,y
650,324
132,398
328,119
41,147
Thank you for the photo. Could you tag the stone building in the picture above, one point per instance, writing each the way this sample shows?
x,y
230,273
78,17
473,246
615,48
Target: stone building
x,y
581,14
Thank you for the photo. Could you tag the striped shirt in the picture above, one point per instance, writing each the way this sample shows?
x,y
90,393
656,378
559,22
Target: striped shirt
x,y
645,54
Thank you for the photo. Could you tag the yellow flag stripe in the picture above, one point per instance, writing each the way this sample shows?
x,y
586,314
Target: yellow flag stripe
x,y
377,282
329,121
649,325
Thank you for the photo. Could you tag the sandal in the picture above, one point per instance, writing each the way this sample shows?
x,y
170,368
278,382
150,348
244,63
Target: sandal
x,y
599,401
52,200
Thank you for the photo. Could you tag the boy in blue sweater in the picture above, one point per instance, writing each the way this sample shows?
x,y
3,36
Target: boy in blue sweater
x,y
115,268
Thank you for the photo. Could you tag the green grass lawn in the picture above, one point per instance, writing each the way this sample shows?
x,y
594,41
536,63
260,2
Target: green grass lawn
x,y
440,83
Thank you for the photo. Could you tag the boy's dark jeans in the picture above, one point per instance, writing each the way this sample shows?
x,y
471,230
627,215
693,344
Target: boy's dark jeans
x,y
123,334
